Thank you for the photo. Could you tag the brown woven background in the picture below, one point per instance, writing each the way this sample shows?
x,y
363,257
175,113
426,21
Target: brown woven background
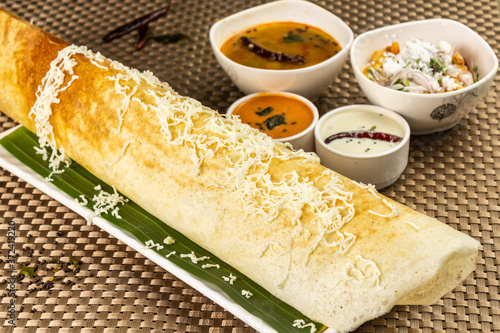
x,y
452,176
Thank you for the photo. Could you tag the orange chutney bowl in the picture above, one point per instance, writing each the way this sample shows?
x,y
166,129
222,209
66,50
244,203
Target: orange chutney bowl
x,y
284,116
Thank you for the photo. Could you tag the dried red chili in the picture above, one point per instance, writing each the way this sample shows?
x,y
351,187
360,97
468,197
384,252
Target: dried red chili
x,y
143,36
364,134
136,24
272,55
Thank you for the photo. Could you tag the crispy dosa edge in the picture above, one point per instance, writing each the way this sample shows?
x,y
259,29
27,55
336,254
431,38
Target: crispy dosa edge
x,y
84,121
22,71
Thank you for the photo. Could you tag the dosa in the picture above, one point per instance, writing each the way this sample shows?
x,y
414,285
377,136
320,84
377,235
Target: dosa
x,y
334,249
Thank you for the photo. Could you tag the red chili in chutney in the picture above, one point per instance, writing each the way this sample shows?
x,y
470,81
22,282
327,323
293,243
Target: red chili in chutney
x,y
364,135
284,40
277,115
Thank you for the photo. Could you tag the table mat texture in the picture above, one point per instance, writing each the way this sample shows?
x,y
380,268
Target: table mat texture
x,y
452,176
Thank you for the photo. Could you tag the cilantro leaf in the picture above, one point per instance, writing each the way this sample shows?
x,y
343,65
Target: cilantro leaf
x,y
293,38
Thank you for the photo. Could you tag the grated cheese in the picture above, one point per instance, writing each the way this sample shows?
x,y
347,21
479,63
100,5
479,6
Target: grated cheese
x,y
205,266
393,213
231,278
84,201
122,152
301,323
370,187
97,57
169,240
151,244
246,293
416,227
127,97
104,202
90,218
170,254
346,240
193,257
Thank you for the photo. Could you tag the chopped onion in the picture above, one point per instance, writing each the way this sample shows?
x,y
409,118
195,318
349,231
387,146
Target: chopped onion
x,y
393,80
377,77
421,79
466,78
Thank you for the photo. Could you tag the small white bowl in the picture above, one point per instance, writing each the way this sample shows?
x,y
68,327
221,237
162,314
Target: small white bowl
x,y
381,169
303,140
308,81
425,112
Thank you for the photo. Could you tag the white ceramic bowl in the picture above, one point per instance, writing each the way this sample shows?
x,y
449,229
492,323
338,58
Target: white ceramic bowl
x,y
308,81
380,169
422,111
303,140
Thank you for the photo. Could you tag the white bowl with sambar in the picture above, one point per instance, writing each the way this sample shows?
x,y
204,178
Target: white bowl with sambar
x,y
311,77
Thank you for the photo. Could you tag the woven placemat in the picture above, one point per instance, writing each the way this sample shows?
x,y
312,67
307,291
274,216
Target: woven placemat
x,y
452,176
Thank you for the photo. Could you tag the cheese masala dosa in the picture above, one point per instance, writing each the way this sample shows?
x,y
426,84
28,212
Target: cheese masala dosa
x,y
336,250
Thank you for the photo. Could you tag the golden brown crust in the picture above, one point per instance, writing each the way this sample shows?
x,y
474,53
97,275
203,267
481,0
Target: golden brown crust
x,y
26,54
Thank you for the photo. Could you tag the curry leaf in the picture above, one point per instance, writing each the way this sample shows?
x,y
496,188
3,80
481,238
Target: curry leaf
x,y
28,271
265,111
170,38
293,38
274,121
